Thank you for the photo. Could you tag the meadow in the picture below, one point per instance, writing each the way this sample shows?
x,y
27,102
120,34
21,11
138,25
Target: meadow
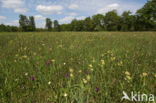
x,y
76,67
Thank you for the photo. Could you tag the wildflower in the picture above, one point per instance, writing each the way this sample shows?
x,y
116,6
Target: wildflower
x,y
127,73
84,81
128,77
71,75
102,62
97,89
15,61
71,70
144,74
155,75
90,65
120,63
26,74
88,77
49,82
65,94
53,60
113,58
25,56
43,44
32,78
64,63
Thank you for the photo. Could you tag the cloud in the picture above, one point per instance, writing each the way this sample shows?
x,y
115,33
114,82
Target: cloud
x,y
72,14
80,18
39,17
53,9
110,7
21,10
2,17
16,5
73,6
12,3
68,19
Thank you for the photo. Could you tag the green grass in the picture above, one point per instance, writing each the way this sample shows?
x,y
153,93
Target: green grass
x,y
71,67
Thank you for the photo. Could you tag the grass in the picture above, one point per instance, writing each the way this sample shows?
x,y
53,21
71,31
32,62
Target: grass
x,y
71,67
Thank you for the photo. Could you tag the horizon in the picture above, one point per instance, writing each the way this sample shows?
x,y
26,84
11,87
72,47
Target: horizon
x,y
64,11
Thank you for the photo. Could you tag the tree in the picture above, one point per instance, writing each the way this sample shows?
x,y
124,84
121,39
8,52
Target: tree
x,y
146,16
32,23
112,21
98,22
24,23
128,21
56,25
48,24
88,24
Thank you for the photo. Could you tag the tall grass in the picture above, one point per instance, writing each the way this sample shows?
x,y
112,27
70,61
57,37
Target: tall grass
x,y
74,67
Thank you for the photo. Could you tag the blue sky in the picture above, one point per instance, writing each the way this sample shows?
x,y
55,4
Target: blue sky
x,y
62,10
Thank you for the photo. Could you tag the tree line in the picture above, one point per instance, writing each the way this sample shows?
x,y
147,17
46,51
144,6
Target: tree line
x,y
143,20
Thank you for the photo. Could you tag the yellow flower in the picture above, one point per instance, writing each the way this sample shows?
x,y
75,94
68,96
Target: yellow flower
x,y
71,70
102,62
128,77
25,56
120,63
90,65
91,69
127,73
144,74
84,81
71,75
113,58
53,60
88,77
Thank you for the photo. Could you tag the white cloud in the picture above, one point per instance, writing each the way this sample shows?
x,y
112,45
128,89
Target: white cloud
x,y
72,14
110,7
12,3
16,5
80,18
68,19
2,17
21,10
53,9
73,6
39,17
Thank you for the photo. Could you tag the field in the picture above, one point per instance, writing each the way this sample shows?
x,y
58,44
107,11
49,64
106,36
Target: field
x,y
69,67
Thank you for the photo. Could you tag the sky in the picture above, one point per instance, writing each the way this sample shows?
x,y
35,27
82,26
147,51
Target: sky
x,y
62,10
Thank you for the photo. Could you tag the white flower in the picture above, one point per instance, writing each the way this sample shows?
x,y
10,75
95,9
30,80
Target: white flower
x,y
49,82
26,74
65,94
